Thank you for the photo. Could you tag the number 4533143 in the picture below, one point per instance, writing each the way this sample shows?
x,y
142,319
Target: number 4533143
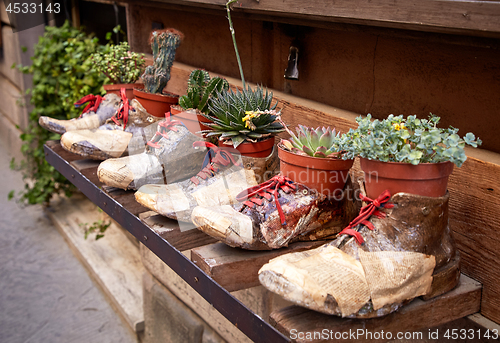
x,y
26,7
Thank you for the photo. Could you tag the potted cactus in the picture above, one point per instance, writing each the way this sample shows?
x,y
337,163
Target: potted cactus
x,y
408,155
164,44
201,88
121,66
314,157
245,119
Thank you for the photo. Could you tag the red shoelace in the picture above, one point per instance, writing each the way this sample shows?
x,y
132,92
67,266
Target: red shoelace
x,y
365,214
164,127
122,113
269,191
93,103
221,156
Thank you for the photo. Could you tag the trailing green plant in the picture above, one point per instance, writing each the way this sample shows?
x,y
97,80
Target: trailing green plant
x,y
320,142
62,74
119,64
409,140
240,116
164,44
98,227
201,88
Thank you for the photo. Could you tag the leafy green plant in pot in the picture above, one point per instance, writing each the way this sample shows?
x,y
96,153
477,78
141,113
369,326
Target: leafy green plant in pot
x,y
164,44
121,66
201,89
314,157
408,155
247,118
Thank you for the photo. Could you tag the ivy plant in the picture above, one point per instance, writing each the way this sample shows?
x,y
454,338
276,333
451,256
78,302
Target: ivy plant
x,y
408,140
62,74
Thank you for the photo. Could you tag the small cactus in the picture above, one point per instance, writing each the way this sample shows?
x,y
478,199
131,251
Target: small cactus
x,y
164,44
201,89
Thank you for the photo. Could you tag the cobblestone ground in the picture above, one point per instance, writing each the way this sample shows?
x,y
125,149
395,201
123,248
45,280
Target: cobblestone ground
x,y
45,293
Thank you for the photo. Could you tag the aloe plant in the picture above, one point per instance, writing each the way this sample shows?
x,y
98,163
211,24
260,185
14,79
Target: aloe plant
x,y
246,115
201,89
320,142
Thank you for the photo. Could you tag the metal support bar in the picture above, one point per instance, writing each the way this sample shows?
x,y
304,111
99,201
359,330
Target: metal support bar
x,y
231,308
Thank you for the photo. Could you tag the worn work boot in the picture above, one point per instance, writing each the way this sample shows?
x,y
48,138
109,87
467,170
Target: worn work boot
x,y
220,179
125,133
95,114
271,215
169,157
398,248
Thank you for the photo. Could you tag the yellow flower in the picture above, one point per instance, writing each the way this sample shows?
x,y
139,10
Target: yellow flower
x,y
398,127
248,119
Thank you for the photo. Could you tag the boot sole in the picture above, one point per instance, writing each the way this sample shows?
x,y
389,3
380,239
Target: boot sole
x,y
445,278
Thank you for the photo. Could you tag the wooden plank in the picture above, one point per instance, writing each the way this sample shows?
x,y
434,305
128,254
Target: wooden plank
x,y
68,156
461,301
113,262
478,17
126,199
236,269
12,99
88,168
169,230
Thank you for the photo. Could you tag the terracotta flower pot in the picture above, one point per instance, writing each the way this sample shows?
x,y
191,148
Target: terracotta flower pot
x,y
156,104
190,118
129,89
260,149
326,175
426,179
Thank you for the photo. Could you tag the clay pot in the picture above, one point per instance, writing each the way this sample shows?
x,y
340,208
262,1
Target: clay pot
x,y
156,104
190,118
129,89
260,149
426,179
326,175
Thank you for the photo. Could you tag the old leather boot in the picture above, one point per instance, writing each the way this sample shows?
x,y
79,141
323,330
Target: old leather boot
x,y
169,157
398,248
220,179
125,133
272,215
97,111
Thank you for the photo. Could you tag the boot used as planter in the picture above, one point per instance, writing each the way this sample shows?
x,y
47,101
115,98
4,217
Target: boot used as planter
x,y
124,133
169,157
96,112
224,174
398,248
273,214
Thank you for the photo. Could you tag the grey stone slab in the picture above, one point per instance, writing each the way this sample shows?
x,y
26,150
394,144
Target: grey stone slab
x,y
45,293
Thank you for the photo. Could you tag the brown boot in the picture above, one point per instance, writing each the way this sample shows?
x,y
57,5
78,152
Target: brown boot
x,y
397,249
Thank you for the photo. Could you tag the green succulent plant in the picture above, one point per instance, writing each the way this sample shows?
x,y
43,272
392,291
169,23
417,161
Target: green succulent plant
x,y
164,44
119,64
201,88
320,142
240,116
409,140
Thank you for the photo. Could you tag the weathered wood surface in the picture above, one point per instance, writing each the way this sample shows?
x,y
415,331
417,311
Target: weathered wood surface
x,y
88,168
460,302
169,230
126,199
236,269
480,18
113,261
